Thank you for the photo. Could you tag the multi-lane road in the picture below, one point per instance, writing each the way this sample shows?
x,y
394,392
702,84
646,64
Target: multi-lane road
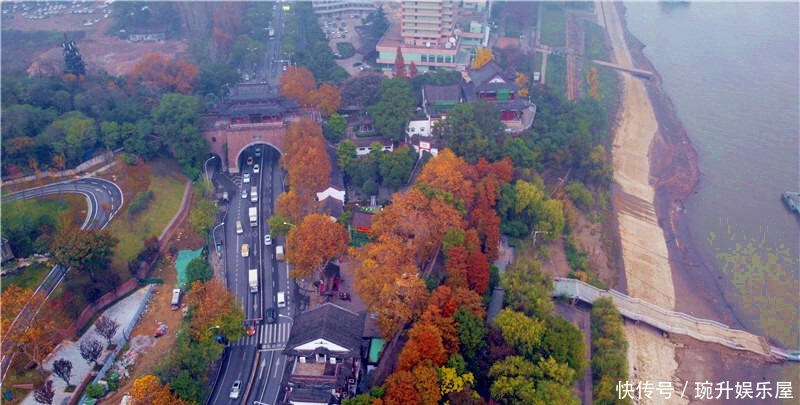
x,y
255,360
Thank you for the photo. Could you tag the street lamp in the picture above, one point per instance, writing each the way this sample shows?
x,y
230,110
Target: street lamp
x,y
534,236
214,235
213,327
205,166
292,225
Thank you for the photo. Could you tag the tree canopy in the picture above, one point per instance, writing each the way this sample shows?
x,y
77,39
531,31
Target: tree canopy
x,y
394,109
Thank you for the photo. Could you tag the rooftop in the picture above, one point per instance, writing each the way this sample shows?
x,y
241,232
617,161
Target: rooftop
x,y
330,322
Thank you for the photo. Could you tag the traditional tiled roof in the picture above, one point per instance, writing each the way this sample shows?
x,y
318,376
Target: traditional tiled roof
x,y
330,322
449,92
311,395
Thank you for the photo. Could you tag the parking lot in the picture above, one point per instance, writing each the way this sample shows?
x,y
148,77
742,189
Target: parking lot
x,y
342,29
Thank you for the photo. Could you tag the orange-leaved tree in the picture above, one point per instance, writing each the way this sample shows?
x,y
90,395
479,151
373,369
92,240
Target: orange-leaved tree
x,y
400,389
386,279
451,173
148,391
298,83
327,98
213,306
166,74
313,243
482,57
294,206
418,220
424,345
439,313
305,159
28,325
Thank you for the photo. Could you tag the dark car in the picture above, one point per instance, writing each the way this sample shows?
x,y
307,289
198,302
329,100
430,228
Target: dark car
x,y
357,64
272,315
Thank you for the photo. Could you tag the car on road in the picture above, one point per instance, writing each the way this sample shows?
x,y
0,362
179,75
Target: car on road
x,y
284,68
256,168
249,160
272,315
258,152
246,177
245,250
357,64
235,389
244,193
268,239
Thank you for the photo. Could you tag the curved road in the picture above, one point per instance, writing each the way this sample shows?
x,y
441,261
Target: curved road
x,y
99,193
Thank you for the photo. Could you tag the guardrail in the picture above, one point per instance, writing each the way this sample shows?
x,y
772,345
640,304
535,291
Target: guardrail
x,y
705,330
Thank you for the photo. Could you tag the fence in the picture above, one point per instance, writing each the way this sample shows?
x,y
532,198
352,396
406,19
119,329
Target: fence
x,y
126,333
80,169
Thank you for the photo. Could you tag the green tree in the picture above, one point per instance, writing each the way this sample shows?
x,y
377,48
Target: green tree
x,y
176,118
551,392
609,348
71,135
520,331
471,335
394,109
527,288
396,167
377,22
335,128
73,62
198,270
347,158
563,341
473,131
86,250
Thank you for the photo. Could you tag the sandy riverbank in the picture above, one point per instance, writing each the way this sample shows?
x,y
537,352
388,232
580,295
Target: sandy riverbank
x,y
656,169
644,249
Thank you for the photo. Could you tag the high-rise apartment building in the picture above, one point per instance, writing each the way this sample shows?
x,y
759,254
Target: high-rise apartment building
x,y
431,34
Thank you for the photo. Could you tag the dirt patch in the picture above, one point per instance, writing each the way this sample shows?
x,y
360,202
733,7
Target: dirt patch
x,y
99,51
151,351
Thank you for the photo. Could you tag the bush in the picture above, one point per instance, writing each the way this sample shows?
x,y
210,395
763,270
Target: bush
x,y
576,256
130,160
609,348
580,195
140,202
95,390
346,49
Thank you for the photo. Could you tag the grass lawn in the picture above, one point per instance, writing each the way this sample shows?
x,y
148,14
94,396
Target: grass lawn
x,y
556,78
26,277
16,376
554,25
165,180
167,185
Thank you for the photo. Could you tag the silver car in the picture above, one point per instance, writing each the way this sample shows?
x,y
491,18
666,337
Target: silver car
x,y
237,387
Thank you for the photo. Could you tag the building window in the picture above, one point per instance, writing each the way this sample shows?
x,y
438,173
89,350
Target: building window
x,y
424,58
422,129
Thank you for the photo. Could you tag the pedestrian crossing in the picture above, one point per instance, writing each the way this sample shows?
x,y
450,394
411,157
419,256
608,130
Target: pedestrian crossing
x,y
275,335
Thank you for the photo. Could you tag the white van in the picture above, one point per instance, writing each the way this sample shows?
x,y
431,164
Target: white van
x,y
281,299
176,298
239,229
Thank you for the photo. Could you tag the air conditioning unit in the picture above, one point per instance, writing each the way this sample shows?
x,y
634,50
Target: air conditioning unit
x,y
427,44
351,380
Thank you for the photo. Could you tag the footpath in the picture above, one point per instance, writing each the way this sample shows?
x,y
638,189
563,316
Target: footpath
x,y
126,312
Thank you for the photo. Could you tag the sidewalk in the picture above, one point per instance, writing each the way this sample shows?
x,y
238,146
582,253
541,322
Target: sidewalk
x,y
123,312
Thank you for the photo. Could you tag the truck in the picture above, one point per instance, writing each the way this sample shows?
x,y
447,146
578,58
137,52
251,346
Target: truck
x,y
253,280
254,194
253,213
279,252
176,298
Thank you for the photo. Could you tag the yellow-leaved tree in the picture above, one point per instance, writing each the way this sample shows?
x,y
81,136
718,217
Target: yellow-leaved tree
x,y
482,57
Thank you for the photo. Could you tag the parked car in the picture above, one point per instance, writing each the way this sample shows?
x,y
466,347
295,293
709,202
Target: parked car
x,y
357,64
268,239
246,177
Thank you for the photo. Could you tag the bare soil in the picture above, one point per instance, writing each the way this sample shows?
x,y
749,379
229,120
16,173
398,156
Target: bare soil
x,y
99,51
159,311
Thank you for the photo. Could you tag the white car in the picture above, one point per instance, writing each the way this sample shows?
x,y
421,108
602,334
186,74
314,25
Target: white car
x,y
267,239
237,386
256,168
245,194
246,177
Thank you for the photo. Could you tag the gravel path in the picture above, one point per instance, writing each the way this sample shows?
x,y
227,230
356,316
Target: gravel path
x,y
123,312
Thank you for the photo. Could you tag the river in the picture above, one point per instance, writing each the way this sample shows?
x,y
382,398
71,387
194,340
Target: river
x,y
731,71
